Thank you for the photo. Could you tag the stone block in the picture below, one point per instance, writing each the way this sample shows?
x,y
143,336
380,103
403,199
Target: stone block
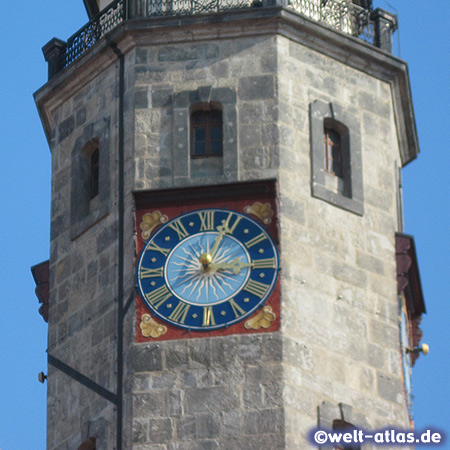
x,y
256,442
176,353
206,444
390,388
375,105
220,69
347,273
149,405
208,426
160,430
249,136
370,263
250,348
232,423
150,74
80,117
256,87
164,380
250,112
375,356
141,98
211,399
161,97
224,351
224,95
272,347
252,396
141,55
65,128
200,353
263,421
188,53
140,431
187,427
147,358
106,237
384,334
262,373
175,403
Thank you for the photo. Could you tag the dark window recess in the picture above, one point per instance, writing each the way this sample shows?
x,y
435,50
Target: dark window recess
x,y
89,444
94,178
332,150
342,426
206,133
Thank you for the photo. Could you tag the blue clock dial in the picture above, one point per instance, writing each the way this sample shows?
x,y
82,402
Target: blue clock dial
x,y
186,279
207,269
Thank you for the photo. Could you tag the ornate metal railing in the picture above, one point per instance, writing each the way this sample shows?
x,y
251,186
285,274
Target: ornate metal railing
x,y
88,35
341,15
375,27
190,7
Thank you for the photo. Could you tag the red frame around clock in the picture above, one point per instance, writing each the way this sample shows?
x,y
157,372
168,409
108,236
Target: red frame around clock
x,y
175,202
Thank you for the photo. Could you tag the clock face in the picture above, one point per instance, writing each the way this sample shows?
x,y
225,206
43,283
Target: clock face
x,y
207,269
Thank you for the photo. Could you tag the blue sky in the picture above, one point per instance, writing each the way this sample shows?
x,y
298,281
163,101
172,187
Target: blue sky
x,y
25,205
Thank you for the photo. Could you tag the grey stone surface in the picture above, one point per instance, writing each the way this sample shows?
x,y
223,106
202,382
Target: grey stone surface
x,y
256,87
66,128
338,335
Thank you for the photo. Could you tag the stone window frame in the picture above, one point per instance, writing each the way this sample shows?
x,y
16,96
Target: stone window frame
x,y
223,168
349,193
85,210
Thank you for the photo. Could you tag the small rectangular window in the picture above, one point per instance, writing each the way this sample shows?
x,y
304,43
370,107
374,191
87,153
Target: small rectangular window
x,y
206,133
94,179
332,151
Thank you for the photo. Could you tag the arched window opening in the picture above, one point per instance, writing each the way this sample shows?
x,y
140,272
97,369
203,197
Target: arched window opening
x,y
340,425
94,178
333,150
206,133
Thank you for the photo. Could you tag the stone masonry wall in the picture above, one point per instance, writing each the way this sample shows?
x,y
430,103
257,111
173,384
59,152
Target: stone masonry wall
x,y
339,303
83,270
339,342
223,392
339,309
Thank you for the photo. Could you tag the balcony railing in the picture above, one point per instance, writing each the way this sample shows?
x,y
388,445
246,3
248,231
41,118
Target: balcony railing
x,y
100,25
342,15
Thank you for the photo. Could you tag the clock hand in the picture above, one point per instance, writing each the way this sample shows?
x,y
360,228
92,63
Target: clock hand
x,y
206,258
222,229
236,265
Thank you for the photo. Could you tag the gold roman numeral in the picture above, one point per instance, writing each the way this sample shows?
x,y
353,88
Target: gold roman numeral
x,y
256,288
208,316
150,273
268,263
238,311
157,297
256,240
228,229
180,312
156,248
179,228
207,220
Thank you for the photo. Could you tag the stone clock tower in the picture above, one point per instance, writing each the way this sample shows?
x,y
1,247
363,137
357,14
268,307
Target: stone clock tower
x,y
226,226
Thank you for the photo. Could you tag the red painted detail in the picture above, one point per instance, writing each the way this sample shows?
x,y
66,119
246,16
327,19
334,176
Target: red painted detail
x,y
181,201
408,283
41,278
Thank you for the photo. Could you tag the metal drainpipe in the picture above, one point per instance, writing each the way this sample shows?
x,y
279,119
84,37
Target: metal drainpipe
x,y
120,281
